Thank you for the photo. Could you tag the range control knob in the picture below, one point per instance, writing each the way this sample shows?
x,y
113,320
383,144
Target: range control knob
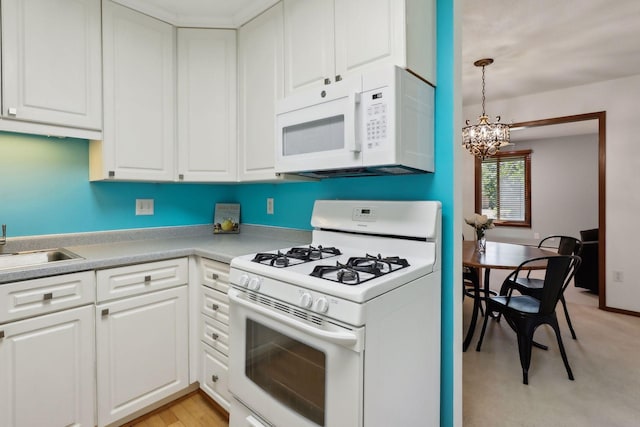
x,y
244,280
254,283
306,300
322,305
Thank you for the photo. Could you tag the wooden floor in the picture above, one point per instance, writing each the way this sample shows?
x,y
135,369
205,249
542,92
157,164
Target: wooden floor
x,y
193,410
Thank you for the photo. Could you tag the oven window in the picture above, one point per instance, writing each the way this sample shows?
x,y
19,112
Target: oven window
x,y
289,371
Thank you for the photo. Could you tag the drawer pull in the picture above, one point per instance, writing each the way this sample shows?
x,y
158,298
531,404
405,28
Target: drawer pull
x,y
215,307
214,378
214,276
214,336
48,296
1,334
147,279
105,312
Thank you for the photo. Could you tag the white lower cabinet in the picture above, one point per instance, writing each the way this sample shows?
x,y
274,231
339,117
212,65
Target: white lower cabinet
x,y
214,330
214,375
142,348
47,370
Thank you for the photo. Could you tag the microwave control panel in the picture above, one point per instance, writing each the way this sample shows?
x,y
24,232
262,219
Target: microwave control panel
x,y
376,106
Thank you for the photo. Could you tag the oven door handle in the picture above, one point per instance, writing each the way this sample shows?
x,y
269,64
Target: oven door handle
x,y
341,338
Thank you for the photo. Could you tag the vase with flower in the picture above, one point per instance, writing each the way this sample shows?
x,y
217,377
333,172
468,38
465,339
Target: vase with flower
x,y
481,223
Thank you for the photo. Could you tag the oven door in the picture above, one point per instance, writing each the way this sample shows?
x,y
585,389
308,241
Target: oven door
x,y
319,129
290,372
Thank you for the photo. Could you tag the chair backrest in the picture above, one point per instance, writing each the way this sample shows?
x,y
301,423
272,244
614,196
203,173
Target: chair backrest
x,y
568,245
559,272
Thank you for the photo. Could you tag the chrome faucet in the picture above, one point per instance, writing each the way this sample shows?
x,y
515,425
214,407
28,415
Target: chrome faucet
x,y
3,239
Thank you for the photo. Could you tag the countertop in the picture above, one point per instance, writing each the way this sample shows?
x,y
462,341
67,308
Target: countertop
x,y
110,249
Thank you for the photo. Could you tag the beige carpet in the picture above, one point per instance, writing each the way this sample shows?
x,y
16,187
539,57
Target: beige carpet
x,y
605,360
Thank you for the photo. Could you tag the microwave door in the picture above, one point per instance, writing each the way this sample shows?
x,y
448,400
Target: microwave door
x,y
321,136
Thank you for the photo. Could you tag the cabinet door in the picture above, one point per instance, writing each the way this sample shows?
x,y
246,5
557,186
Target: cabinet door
x,y
260,72
142,351
214,376
47,371
369,32
51,62
207,105
139,88
308,44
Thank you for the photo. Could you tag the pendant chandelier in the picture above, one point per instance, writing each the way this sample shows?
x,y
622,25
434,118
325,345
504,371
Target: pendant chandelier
x,y
485,138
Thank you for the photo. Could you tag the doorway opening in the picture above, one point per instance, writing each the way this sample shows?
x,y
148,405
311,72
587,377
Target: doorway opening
x,y
600,117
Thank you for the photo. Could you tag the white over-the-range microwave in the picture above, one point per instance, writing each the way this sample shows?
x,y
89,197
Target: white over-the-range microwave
x,y
378,123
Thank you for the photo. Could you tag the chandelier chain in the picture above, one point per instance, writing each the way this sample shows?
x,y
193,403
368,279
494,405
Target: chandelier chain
x,y
483,112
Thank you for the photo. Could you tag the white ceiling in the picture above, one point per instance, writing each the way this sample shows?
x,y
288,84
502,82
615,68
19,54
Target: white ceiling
x,y
541,45
201,13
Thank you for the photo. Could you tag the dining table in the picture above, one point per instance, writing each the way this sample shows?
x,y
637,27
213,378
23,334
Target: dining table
x,y
497,255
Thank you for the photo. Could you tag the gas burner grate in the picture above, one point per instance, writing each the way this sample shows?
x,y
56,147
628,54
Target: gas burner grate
x,y
358,270
312,253
277,259
295,256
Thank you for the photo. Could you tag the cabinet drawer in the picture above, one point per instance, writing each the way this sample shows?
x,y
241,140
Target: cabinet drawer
x,y
39,296
213,376
214,304
141,278
215,334
215,274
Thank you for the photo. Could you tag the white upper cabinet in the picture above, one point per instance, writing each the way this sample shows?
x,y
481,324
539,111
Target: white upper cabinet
x,y
51,66
328,39
260,80
139,98
309,43
207,105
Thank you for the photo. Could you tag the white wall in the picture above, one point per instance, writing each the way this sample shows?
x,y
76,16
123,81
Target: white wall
x,y
619,98
564,189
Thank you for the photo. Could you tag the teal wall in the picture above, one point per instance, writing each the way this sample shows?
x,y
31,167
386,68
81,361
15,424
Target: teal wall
x,y
44,189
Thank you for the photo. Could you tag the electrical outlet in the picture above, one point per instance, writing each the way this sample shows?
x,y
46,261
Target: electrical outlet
x,y
270,206
618,276
144,206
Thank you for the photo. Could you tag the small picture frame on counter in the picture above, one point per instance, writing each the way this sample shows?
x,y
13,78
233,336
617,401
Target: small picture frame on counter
x,y
226,218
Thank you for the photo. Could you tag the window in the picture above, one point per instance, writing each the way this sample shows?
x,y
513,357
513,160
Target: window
x,y
503,188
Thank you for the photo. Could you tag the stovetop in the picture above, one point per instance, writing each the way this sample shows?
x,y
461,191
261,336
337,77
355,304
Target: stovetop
x,y
355,271
359,250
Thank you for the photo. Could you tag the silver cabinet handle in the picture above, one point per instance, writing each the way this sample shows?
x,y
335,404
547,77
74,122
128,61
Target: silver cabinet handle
x,y
338,78
327,81
105,312
12,111
214,336
1,334
48,296
214,276
147,279
215,307
214,378
181,177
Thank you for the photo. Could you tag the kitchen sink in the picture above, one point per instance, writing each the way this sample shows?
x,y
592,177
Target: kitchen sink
x,y
33,258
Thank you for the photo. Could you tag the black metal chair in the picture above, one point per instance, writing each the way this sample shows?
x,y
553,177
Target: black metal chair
x,y
533,287
525,313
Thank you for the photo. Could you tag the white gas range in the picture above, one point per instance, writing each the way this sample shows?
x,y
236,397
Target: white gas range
x,y
345,331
